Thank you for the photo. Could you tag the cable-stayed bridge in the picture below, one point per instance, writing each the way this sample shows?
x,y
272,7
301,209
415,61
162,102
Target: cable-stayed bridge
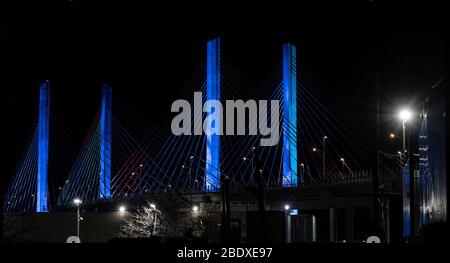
x,y
124,157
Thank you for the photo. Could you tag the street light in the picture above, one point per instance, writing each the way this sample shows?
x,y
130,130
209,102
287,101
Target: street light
x,y
286,207
122,209
404,115
302,165
153,206
195,209
78,202
343,164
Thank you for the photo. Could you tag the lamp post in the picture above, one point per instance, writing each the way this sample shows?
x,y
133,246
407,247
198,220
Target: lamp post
x,y
302,166
153,206
78,203
191,158
251,160
404,115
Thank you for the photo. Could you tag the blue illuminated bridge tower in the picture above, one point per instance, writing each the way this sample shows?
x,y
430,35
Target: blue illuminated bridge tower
x,y
212,170
105,143
289,116
43,148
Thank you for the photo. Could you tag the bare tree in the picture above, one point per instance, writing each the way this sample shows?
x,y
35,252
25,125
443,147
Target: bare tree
x,y
146,222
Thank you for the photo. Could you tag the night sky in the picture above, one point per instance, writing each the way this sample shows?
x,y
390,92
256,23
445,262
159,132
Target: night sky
x,y
147,53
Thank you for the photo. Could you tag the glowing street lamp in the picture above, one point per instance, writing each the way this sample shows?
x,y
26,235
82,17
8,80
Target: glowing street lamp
x,y
404,115
78,202
286,207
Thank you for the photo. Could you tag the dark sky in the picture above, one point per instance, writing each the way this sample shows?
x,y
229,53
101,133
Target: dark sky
x,y
148,52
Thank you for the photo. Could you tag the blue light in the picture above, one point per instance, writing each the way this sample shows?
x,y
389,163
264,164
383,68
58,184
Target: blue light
x,y
213,93
43,142
105,143
293,212
289,116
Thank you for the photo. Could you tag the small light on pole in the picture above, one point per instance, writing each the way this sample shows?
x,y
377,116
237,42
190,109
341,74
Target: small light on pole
x,y
153,206
404,115
122,209
286,207
195,209
78,202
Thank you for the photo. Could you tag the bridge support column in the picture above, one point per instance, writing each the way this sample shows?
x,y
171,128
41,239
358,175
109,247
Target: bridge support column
x,y
212,170
333,224
43,148
289,116
105,143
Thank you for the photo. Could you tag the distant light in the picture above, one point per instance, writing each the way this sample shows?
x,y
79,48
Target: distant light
x,y
254,148
302,165
325,137
342,159
405,115
392,135
77,201
286,207
153,206
314,149
122,209
244,158
141,165
399,152
192,157
195,208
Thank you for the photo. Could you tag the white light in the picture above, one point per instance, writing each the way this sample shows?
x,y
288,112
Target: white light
x,y
153,206
286,207
195,208
77,201
405,115
325,137
342,160
122,209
